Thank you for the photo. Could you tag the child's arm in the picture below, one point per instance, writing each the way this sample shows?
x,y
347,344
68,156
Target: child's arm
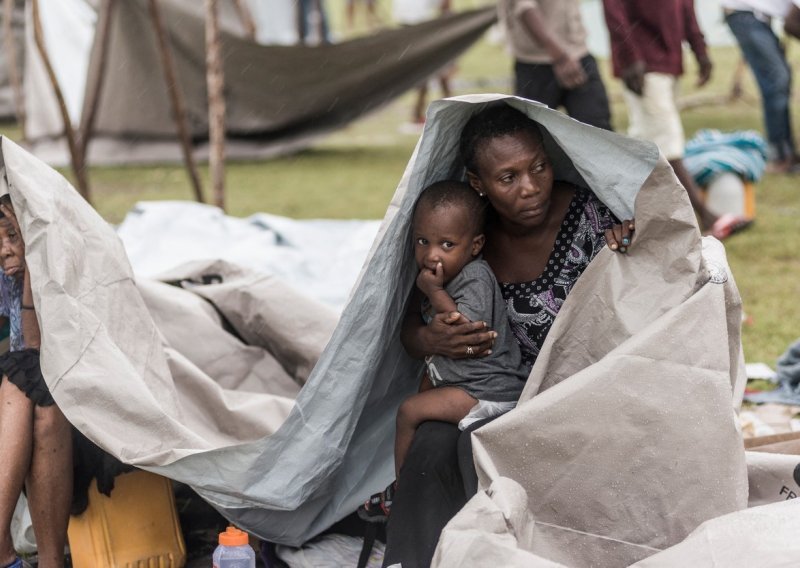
x,y
431,283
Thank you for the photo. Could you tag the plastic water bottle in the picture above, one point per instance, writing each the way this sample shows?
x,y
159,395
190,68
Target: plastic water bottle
x,y
234,551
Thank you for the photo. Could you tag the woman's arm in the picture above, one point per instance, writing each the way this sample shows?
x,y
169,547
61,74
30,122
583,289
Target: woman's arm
x,y
449,334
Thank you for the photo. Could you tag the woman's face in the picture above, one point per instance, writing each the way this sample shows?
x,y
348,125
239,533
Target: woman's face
x,y
515,174
12,250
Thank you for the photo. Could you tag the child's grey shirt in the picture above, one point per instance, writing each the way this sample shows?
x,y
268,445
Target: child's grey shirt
x,y
498,377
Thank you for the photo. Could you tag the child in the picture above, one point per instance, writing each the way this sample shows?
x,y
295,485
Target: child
x,y
448,237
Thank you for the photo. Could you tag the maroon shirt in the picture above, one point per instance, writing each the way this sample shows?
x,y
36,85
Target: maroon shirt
x,y
652,31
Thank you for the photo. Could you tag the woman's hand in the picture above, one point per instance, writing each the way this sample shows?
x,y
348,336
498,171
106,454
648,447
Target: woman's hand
x,y
619,237
453,336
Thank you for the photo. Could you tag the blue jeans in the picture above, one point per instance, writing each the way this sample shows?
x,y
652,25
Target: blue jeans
x,y
764,54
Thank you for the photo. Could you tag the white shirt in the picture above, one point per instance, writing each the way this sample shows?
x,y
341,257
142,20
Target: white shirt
x,y
771,8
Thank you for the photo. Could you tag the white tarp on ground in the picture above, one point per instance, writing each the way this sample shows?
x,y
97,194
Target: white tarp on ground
x,y
320,258
286,472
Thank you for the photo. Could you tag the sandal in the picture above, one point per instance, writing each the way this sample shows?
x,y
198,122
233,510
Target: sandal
x,y
377,508
16,564
729,224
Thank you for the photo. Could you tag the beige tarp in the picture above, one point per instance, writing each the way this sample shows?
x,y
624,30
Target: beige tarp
x,y
497,528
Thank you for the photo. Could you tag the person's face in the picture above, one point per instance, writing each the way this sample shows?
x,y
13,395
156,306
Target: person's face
x,y
444,234
12,251
515,174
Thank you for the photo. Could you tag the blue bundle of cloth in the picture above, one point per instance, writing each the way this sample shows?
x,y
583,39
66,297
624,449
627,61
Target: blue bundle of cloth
x,y
712,152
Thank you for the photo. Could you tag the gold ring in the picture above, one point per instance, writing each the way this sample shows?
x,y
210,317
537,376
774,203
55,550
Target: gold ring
x,y
470,350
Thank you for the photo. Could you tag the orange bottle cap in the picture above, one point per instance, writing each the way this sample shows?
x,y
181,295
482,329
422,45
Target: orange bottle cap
x,y
233,537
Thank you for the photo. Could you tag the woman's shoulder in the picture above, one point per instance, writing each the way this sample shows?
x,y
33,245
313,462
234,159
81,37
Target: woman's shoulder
x,y
592,209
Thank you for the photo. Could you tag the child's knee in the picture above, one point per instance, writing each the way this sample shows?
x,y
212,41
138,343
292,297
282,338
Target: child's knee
x,y
406,414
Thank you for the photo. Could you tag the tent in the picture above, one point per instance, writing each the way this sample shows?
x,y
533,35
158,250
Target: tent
x,y
278,97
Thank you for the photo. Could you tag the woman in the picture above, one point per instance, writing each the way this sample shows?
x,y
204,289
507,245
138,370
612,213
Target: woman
x,y
541,237
35,438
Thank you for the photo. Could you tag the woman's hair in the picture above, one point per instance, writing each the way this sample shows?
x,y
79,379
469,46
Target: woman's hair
x,y
455,193
493,122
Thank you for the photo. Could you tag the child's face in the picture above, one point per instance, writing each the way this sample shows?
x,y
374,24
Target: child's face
x,y
445,234
12,250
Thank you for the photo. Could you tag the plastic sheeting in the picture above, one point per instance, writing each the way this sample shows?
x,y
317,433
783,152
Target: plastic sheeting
x,y
286,472
319,258
761,536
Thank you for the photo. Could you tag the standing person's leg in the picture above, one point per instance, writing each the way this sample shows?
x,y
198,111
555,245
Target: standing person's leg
x,y
16,441
764,54
350,14
589,102
418,112
49,483
444,81
537,83
430,492
654,116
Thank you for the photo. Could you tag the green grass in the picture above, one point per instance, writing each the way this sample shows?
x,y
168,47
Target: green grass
x,y
353,174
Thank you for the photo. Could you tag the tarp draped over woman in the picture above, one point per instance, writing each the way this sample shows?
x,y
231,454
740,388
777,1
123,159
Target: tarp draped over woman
x,y
286,470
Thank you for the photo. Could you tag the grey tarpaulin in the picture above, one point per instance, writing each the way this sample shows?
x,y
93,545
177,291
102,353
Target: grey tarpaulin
x,y
277,97
287,472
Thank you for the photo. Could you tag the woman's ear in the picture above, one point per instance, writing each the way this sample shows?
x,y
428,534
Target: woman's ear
x,y
475,183
477,244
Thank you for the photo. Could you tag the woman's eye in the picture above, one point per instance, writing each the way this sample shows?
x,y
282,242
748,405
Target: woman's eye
x,y
507,179
421,241
538,168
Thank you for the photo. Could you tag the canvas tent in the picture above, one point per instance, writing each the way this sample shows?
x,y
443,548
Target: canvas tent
x,y
286,464
278,97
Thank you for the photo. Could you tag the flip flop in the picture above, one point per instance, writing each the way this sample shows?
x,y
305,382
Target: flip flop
x,y
729,224
378,506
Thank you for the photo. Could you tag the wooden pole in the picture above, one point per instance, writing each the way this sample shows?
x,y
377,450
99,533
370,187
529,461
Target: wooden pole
x,y
10,48
98,77
247,19
215,83
77,159
176,97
